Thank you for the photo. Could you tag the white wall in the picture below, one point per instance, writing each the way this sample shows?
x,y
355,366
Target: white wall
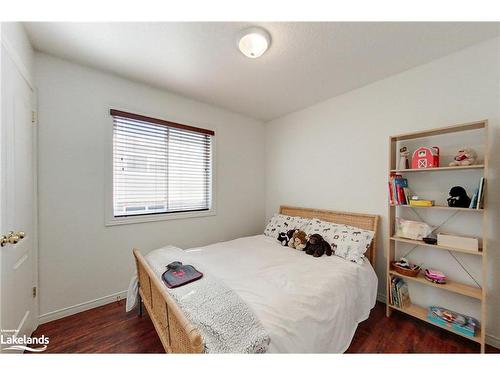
x,y
82,260
335,154
15,40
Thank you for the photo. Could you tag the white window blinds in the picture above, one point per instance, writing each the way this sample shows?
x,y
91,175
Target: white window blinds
x,y
159,166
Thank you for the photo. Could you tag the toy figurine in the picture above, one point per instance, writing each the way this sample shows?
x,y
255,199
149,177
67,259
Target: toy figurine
x,y
464,156
403,158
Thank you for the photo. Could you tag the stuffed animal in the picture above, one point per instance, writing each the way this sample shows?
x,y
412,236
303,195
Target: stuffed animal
x,y
458,197
299,240
464,156
282,239
285,237
317,246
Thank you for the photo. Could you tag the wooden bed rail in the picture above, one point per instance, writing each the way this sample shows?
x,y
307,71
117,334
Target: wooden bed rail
x,y
176,332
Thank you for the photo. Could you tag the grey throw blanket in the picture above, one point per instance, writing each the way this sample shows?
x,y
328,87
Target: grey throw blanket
x,y
226,323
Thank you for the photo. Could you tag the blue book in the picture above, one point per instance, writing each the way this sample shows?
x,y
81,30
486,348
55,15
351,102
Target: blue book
x,y
473,201
403,182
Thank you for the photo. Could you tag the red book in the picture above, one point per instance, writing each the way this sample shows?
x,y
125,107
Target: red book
x,y
391,200
392,192
401,195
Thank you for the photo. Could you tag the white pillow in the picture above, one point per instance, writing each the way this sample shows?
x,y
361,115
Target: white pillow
x,y
317,226
347,242
297,222
283,223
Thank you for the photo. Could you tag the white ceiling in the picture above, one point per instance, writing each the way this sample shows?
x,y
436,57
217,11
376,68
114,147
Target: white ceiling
x,y
307,62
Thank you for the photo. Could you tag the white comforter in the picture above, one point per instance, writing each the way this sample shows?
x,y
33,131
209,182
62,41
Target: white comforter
x,y
306,304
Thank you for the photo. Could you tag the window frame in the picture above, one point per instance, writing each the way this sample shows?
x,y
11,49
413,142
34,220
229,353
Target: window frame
x,y
111,220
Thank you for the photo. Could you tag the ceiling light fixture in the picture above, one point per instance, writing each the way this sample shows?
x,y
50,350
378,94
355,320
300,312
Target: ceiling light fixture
x,y
254,42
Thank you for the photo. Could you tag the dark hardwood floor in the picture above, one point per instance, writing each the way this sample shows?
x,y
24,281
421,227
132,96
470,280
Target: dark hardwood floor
x,y
109,329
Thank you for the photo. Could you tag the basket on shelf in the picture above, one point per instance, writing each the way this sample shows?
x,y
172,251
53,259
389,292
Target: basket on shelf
x,y
405,271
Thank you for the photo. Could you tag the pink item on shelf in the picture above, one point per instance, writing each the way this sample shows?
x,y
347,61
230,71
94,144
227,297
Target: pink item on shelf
x,y
435,275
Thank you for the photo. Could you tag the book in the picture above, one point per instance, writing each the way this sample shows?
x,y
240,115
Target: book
x,y
407,194
399,295
400,181
401,196
473,201
393,291
421,203
397,184
480,194
392,199
404,296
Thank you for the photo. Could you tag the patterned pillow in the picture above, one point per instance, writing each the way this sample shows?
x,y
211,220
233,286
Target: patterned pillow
x,y
282,223
297,222
317,226
347,242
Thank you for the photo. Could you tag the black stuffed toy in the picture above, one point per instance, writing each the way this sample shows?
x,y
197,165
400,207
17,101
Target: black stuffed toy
x,y
317,246
458,197
284,238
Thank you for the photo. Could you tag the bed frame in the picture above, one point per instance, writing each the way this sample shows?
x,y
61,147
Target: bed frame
x,y
176,332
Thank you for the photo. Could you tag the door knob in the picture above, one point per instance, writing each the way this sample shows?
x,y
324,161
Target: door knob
x,y
12,238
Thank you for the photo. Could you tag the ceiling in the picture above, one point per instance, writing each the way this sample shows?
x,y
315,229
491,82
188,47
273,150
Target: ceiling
x,y
307,62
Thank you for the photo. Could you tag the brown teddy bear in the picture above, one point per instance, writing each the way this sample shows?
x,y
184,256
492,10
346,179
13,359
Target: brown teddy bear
x,y
317,246
298,240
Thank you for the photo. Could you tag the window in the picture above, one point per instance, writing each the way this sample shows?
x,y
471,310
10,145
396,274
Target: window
x,y
159,167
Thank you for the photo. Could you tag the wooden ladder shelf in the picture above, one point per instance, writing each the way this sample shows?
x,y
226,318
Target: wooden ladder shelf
x,y
476,293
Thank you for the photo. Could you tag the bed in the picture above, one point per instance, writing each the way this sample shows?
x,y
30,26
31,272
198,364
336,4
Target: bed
x,y
301,311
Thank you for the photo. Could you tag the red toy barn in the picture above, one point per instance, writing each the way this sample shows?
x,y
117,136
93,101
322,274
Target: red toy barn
x,y
425,157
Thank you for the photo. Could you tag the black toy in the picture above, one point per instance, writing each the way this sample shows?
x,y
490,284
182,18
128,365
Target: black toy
x,y
285,237
317,246
430,240
458,197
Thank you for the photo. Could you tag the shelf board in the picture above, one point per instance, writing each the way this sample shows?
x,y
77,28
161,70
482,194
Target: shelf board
x,y
451,286
437,169
421,313
422,243
440,131
440,207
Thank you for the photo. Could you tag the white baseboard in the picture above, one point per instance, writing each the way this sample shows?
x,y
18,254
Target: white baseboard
x,y
381,297
71,310
493,341
490,339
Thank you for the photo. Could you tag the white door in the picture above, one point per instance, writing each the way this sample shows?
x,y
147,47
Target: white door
x,y
18,306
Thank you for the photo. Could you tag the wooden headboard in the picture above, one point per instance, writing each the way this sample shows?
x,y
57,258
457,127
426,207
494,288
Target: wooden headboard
x,y
363,221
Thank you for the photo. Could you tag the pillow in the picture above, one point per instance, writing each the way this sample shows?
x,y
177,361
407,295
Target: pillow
x,y
297,222
347,242
414,230
317,226
283,223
